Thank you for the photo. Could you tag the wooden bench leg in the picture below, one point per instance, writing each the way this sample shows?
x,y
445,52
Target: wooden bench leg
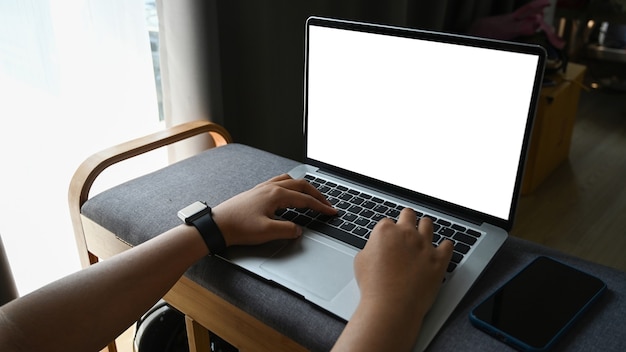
x,y
198,336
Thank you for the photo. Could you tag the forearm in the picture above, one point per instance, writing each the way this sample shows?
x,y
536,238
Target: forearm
x,y
98,303
85,311
376,327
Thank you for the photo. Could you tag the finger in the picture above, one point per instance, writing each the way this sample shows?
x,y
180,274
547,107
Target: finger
x,y
277,179
443,254
408,217
280,229
303,186
378,228
425,227
445,248
298,199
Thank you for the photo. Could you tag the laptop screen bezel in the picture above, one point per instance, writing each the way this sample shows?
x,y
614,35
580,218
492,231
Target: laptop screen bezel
x,y
415,197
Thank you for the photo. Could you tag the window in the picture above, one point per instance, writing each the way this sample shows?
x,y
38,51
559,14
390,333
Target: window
x,y
75,77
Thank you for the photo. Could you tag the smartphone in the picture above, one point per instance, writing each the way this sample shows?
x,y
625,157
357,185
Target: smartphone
x,y
538,305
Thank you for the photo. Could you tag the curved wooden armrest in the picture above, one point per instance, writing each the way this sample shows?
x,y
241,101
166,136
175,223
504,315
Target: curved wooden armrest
x,y
93,166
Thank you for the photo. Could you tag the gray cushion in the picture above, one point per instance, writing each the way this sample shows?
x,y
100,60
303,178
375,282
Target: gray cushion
x,y
145,207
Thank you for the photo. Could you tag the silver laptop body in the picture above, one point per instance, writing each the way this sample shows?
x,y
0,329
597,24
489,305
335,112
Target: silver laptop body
x,y
436,122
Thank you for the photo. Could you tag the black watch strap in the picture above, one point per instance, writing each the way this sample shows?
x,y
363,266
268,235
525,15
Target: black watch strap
x,y
210,233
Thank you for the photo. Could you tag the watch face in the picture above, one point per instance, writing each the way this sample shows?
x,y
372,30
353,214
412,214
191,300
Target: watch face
x,y
188,213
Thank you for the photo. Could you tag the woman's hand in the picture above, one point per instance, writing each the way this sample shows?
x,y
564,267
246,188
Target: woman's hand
x,y
399,273
248,218
400,263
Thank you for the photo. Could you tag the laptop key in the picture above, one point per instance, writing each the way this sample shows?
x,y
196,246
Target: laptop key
x,y
368,204
361,221
366,213
451,267
358,200
444,222
332,200
473,232
456,257
289,215
377,217
392,213
355,209
324,217
335,222
461,248
343,205
433,218
324,189
461,237
338,234
334,193
458,227
346,196
312,213
360,231
349,217
447,232
302,220
381,209
347,226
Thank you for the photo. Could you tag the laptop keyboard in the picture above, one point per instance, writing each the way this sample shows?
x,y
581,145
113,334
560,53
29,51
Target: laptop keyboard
x,y
359,212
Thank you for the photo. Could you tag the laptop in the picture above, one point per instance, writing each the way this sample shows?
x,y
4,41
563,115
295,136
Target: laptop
x,y
396,118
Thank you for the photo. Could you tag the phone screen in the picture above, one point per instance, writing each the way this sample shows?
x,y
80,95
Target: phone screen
x,y
534,308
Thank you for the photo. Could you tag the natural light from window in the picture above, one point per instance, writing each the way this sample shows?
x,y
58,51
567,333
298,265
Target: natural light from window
x,y
75,77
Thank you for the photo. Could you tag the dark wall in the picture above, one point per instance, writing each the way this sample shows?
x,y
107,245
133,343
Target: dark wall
x,y
261,46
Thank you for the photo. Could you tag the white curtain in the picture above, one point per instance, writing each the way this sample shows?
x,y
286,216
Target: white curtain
x,y
76,77
186,29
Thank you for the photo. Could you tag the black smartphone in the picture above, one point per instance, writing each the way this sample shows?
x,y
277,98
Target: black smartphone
x,y
538,305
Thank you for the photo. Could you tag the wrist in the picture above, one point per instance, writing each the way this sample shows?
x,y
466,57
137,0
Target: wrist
x,y
199,215
397,312
401,322
222,224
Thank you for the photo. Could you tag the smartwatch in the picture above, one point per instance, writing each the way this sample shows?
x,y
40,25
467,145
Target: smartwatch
x,y
199,215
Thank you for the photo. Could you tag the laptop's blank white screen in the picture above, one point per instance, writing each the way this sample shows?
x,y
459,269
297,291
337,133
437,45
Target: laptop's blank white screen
x,y
443,120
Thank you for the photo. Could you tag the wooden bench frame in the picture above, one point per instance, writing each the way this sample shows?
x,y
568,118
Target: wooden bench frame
x,y
203,309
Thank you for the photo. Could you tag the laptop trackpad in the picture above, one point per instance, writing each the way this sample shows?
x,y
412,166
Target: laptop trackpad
x,y
315,266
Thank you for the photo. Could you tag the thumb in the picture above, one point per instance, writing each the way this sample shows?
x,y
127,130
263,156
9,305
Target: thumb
x,y
281,229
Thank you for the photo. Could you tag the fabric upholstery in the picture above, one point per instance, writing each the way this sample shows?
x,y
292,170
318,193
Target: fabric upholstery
x,y
142,208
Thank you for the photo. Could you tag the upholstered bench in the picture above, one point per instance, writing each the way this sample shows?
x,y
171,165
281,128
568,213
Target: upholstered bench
x,y
253,314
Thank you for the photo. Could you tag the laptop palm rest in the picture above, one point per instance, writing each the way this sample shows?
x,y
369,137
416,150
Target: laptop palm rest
x,y
312,265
